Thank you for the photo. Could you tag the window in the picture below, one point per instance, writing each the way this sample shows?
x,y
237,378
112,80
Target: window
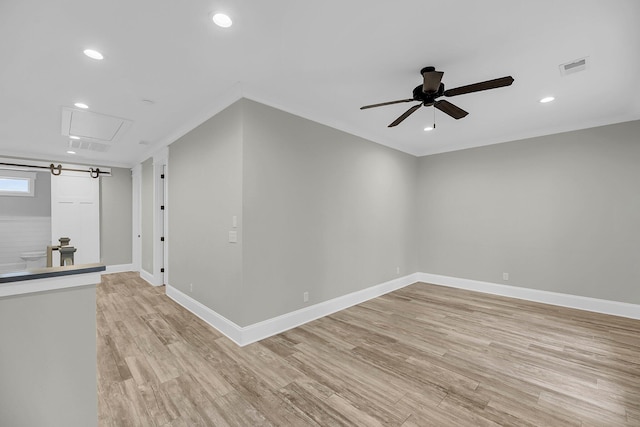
x,y
17,183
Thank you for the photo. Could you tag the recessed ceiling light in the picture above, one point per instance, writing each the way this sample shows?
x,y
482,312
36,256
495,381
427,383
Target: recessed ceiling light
x,y
428,128
93,54
73,137
547,99
222,20
71,152
81,105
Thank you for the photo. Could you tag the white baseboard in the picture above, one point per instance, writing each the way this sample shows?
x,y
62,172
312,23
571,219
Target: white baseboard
x,y
119,268
276,325
261,330
554,298
221,323
150,278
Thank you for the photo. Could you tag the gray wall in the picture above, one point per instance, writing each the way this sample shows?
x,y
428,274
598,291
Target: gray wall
x,y
116,217
325,212
205,192
38,205
328,213
48,359
146,215
319,211
558,213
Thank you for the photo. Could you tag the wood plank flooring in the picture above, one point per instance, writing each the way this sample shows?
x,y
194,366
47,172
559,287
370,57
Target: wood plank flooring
x,y
422,356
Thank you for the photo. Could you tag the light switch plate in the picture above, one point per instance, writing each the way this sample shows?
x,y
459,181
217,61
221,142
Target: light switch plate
x,y
233,237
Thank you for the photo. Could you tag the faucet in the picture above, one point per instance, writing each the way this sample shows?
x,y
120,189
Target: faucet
x,y
66,252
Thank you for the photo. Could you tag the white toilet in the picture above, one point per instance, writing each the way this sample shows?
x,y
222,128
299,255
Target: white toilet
x,y
34,259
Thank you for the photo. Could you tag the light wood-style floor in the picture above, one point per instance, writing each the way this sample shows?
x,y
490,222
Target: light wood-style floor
x,y
421,356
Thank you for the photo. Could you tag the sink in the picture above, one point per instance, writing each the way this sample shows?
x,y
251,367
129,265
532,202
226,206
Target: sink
x,y
34,259
33,256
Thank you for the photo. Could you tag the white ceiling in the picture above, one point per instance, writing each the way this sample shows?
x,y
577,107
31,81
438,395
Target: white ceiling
x,y
318,59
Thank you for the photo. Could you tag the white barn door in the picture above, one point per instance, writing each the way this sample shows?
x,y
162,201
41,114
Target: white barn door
x,y
75,213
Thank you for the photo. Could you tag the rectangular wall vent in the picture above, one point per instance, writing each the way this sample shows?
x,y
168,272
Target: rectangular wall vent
x,y
574,66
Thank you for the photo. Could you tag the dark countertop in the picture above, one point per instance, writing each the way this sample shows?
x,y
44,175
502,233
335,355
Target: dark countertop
x,y
43,273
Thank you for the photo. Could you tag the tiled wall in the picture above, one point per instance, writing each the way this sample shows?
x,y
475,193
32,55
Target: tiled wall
x,y
20,234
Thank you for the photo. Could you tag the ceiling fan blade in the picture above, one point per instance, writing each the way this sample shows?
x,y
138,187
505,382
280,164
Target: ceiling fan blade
x,y
386,103
476,87
431,82
406,114
450,109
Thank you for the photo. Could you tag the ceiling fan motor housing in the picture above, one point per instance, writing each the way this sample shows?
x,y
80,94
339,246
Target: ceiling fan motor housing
x,y
427,98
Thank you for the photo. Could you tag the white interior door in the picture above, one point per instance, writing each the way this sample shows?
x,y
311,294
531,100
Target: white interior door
x,y
75,213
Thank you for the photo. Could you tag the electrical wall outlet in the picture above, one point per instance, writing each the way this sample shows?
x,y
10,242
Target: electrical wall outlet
x,y
397,270
505,276
191,287
305,297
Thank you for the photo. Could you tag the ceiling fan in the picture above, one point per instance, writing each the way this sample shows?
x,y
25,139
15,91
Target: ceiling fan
x,y
431,89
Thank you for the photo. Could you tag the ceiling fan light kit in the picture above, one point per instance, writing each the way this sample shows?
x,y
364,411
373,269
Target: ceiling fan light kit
x,y
432,88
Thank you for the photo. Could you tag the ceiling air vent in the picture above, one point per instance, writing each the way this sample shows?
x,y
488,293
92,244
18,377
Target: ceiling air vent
x,y
574,66
86,145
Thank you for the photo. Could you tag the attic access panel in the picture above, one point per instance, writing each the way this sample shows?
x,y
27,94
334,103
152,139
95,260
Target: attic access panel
x,y
93,126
